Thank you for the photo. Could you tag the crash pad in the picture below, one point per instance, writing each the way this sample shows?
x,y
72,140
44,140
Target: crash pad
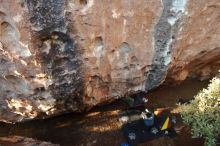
x,y
136,131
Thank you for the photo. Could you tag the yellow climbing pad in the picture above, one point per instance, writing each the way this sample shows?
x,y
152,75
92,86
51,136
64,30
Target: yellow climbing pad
x,y
156,113
166,124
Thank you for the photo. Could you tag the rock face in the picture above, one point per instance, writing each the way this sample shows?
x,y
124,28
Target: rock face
x,y
23,141
59,56
196,50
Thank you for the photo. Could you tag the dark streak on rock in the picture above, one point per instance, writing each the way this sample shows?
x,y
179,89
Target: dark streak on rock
x,y
61,62
47,15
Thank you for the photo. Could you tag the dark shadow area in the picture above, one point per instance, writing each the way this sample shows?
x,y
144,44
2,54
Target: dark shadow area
x,y
100,126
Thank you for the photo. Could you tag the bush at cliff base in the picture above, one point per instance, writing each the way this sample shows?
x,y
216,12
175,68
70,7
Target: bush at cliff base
x,y
203,113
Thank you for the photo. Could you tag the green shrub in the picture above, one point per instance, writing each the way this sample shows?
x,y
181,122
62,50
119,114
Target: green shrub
x,y
203,113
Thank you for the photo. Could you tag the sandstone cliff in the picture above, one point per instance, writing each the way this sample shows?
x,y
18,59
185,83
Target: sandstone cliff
x,y
59,56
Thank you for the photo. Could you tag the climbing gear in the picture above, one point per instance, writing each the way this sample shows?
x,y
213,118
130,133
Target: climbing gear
x,y
154,130
137,129
148,118
132,136
166,124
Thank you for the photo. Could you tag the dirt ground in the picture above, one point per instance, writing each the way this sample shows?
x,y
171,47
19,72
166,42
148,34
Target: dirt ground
x,y
100,126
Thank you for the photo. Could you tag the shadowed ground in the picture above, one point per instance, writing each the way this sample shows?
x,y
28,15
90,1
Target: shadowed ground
x,y
100,125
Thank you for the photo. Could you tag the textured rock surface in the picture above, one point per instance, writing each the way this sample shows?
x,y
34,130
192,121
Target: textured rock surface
x,y
196,51
58,56
117,43
22,141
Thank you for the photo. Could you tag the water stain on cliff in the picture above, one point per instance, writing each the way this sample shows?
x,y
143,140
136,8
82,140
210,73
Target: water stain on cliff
x,y
164,34
59,55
